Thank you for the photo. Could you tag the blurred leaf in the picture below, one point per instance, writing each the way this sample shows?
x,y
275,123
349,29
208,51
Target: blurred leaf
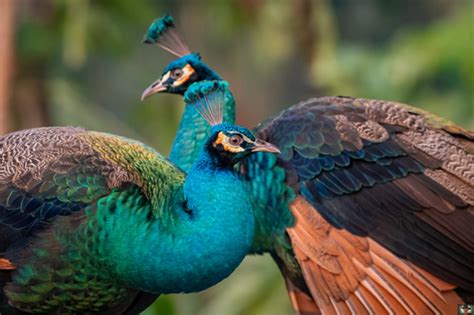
x,y
75,29
164,305
426,67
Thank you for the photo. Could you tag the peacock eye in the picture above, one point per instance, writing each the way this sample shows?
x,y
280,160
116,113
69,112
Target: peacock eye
x,y
235,140
176,73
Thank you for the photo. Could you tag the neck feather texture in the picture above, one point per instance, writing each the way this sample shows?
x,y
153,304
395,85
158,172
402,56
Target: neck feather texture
x,y
193,132
208,241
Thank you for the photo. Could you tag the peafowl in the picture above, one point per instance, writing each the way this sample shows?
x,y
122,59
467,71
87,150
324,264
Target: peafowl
x,y
369,208
93,222
177,77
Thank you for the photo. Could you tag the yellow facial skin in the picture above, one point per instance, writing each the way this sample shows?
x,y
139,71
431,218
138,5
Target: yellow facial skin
x,y
223,139
187,73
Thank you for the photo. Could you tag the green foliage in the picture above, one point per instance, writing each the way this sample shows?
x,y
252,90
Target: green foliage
x,y
430,67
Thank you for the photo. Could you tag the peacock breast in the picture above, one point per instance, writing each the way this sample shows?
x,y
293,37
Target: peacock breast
x,y
208,239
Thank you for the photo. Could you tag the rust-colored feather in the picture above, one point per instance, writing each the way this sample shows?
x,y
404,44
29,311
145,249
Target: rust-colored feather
x,y
5,264
302,303
369,279
382,187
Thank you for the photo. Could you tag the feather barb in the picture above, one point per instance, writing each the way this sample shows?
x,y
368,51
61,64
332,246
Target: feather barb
x,y
163,33
208,97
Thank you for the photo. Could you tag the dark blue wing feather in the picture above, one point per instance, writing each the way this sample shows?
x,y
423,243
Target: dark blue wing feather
x,y
357,172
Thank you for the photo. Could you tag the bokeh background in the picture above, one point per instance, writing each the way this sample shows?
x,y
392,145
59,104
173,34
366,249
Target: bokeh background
x,y
82,63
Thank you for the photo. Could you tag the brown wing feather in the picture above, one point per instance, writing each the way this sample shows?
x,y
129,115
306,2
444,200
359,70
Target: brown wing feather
x,y
348,274
411,204
6,264
302,303
433,137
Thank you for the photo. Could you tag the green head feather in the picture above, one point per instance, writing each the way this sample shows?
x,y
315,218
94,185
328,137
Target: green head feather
x,y
163,33
157,28
209,99
201,89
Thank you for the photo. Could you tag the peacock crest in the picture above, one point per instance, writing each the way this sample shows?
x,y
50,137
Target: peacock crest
x,y
208,97
163,33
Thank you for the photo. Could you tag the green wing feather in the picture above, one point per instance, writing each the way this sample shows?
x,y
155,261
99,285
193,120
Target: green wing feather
x,y
57,177
160,180
47,172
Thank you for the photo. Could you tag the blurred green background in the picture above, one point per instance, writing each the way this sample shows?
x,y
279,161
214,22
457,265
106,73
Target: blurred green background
x,y
82,63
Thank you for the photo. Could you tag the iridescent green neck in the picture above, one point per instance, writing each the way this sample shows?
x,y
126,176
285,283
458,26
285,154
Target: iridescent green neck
x,y
193,132
209,240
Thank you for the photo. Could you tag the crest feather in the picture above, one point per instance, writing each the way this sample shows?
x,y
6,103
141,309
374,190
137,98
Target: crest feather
x,y
163,33
209,98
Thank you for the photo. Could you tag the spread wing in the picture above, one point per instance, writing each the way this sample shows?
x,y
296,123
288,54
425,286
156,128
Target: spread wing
x,y
384,211
51,172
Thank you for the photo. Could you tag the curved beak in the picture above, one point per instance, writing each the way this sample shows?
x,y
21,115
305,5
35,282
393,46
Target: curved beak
x,y
154,88
263,146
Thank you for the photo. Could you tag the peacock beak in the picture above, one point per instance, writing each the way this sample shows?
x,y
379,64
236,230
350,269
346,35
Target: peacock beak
x,y
263,146
156,87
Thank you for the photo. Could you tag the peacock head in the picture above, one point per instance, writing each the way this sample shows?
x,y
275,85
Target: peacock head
x,y
228,144
182,72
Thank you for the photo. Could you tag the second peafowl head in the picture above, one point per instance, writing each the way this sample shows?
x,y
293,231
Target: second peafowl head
x,y
181,73
228,144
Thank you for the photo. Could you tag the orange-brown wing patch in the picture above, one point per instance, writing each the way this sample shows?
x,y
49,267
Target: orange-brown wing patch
x,y
5,264
348,274
302,303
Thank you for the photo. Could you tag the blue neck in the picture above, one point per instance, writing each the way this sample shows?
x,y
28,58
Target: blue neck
x,y
210,238
193,132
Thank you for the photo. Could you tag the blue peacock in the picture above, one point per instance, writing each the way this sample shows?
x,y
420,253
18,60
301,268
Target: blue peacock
x,y
369,208
96,223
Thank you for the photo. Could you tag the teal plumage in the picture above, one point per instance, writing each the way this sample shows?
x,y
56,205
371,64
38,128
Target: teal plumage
x,y
193,131
361,185
91,220
177,78
162,32
157,28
